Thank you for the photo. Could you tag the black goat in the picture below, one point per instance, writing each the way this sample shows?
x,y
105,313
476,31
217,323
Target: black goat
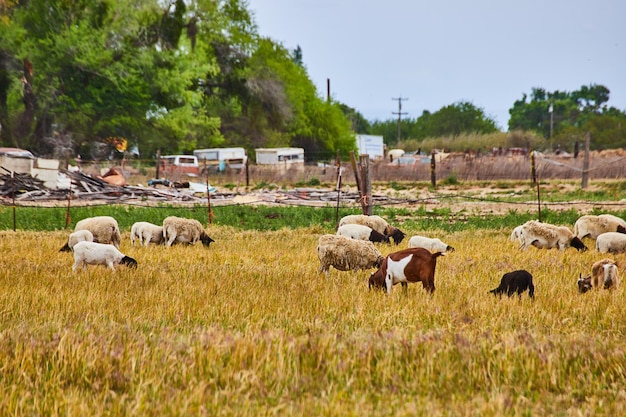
x,y
515,282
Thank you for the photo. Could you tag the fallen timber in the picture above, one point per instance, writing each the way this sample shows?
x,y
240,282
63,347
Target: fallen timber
x,y
86,189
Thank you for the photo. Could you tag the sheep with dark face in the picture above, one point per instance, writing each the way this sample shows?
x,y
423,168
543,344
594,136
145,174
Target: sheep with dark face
x,y
360,232
182,230
515,282
604,275
593,226
548,236
93,253
408,265
376,223
75,237
433,244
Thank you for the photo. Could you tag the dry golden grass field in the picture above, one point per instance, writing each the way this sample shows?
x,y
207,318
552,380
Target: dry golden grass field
x,y
248,327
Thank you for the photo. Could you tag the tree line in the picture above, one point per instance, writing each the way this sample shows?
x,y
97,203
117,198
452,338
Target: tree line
x,y
92,76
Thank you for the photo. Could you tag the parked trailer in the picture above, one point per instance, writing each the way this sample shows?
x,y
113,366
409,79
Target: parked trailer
x,y
218,159
279,156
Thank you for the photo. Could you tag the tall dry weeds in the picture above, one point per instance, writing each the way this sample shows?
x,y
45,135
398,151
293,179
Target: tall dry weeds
x,y
248,327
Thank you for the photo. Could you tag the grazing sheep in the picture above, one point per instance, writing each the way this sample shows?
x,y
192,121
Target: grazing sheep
x,y
93,253
408,265
604,275
345,254
145,233
592,226
75,237
548,236
104,230
376,223
612,242
360,232
432,244
181,230
515,282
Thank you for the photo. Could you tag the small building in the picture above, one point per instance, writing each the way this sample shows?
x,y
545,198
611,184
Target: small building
x,y
279,156
21,161
16,160
218,159
371,145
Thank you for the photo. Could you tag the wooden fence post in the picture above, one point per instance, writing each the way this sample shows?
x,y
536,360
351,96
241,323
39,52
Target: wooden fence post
x,y
585,180
357,177
533,169
366,195
433,177
339,169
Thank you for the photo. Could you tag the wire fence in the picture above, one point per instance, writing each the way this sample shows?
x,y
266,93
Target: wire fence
x,y
312,186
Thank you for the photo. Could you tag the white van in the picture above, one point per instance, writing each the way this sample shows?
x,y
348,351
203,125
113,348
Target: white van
x,y
180,164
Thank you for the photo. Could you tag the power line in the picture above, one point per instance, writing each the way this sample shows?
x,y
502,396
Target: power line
x,y
399,113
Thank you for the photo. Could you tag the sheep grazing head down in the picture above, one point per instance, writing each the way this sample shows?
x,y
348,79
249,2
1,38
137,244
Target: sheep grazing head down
x,y
397,235
206,240
578,244
129,262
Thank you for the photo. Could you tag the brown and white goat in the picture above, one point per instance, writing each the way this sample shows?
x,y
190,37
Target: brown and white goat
x,y
604,274
408,265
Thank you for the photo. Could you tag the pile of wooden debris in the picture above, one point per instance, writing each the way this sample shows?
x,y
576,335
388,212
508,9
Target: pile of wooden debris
x,y
23,187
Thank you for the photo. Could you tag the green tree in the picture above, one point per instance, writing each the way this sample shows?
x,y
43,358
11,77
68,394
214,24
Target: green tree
x,y
451,120
566,117
173,75
108,68
358,122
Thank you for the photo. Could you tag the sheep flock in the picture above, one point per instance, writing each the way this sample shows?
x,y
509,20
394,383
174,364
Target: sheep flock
x,y
360,241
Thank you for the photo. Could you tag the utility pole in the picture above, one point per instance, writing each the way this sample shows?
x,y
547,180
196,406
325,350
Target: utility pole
x,y
399,113
551,110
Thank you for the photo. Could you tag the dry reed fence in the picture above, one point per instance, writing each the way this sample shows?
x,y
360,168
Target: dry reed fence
x,y
602,165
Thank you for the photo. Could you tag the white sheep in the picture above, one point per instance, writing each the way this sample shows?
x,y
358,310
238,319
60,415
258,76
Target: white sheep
x,y
548,236
93,253
376,223
145,232
612,242
432,244
103,228
75,237
593,226
345,254
182,230
360,232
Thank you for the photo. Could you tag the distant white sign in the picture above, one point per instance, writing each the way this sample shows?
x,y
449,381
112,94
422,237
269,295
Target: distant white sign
x,y
371,145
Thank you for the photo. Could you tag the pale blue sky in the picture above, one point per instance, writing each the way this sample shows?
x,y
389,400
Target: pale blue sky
x,y
436,53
